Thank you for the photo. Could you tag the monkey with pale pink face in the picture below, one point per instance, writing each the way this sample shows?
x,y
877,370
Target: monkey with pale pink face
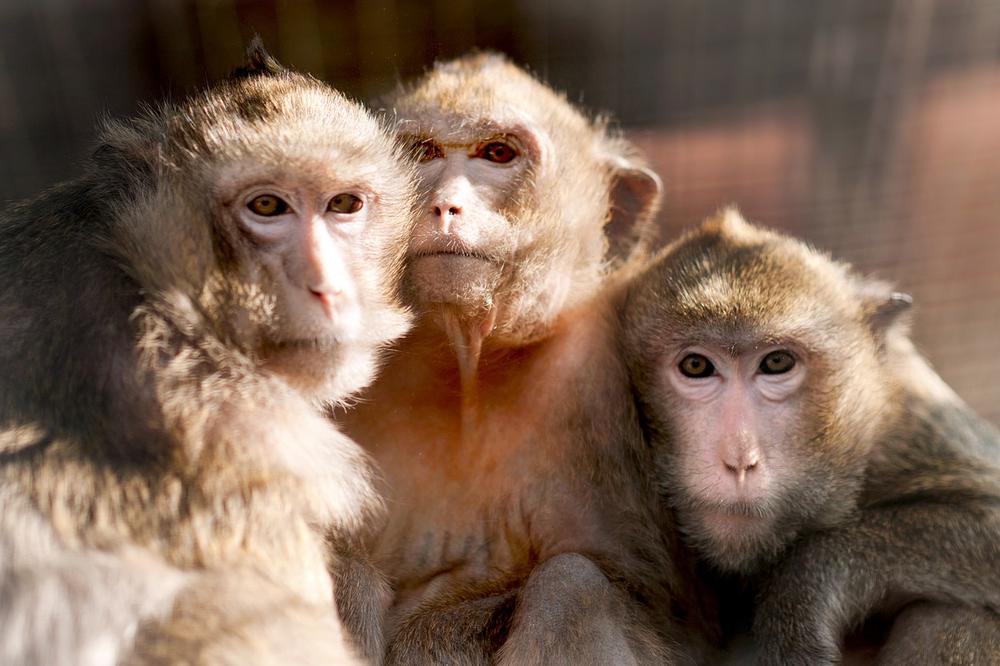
x,y
740,360
810,454
170,322
522,197
519,528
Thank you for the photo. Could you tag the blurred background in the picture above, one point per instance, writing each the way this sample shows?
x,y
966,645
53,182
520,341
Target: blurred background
x,y
869,127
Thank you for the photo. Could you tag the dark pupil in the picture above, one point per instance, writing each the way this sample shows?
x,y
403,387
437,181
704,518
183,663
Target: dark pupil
x,y
426,150
499,152
345,203
777,363
696,365
268,205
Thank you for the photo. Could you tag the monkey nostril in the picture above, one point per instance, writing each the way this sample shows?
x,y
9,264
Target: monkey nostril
x,y
325,291
447,209
741,467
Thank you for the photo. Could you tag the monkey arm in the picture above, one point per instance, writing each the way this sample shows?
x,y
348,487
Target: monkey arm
x,y
240,617
832,581
569,612
936,633
459,627
362,595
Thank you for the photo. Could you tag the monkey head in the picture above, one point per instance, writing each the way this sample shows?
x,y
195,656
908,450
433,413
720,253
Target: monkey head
x,y
517,188
283,212
760,369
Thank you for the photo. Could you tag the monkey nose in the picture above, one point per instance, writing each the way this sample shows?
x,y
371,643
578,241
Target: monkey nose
x,y
447,209
445,214
741,464
328,297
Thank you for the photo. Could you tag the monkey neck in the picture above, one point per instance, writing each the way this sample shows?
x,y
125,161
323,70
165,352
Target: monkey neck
x,y
465,335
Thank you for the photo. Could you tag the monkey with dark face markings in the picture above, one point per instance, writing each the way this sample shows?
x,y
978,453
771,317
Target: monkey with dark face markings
x,y
807,448
520,529
169,324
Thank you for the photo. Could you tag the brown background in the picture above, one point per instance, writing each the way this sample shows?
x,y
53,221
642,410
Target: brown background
x,y
869,127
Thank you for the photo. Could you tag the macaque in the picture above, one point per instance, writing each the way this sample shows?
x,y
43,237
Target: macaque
x,y
522,527
170,324
810,454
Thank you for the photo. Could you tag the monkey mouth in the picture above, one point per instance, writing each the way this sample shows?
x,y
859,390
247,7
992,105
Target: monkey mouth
x,y
748,510
318,344
456,253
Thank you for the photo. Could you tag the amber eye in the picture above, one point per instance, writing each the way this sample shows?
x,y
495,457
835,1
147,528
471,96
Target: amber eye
x,y
426,150
268,205
777,363
497,151
346,203
696,366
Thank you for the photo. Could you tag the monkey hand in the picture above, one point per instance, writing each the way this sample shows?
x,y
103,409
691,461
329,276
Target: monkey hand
x,y
811,600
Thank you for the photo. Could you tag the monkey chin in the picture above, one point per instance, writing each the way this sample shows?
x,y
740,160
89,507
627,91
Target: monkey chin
x,y
467,282
735,539
306,365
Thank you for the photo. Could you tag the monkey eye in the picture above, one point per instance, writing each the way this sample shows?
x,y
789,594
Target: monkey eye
x,y
426,150
777,363
268,205
696,366
497,151
345,203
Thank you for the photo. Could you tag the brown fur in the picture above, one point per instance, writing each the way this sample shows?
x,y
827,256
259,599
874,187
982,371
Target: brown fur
x,y
141,431
897,499
520,527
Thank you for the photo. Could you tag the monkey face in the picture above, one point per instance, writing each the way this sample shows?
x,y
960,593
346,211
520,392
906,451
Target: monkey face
x,y
310,241
516,192
310,208
466,236
758,373
738,419
307,243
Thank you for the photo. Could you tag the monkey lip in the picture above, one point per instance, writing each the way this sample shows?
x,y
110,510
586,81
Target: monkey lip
x,y
461,254
739,511
303,345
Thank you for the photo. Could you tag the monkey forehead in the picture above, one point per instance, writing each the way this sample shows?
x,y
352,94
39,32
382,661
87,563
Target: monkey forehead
x,y
742,285
290,120
467,132
487,87
230,176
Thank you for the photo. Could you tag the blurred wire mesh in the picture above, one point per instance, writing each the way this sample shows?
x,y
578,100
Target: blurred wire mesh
x,y
869,127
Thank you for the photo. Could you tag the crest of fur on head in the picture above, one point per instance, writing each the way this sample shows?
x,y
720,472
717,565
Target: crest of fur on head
x,y
586,203
733,288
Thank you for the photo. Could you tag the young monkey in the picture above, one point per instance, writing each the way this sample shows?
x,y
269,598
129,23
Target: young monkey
x,y
810,453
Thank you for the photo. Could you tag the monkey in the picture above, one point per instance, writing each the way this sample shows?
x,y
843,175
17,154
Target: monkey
x,y
810,454
171,324
520,529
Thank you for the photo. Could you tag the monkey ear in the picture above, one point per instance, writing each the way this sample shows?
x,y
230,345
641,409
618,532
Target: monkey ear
x,y
886,309
259,62
636,193
128,153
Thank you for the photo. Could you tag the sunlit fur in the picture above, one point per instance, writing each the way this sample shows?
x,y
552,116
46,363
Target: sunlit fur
x,y
151,465
522,526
